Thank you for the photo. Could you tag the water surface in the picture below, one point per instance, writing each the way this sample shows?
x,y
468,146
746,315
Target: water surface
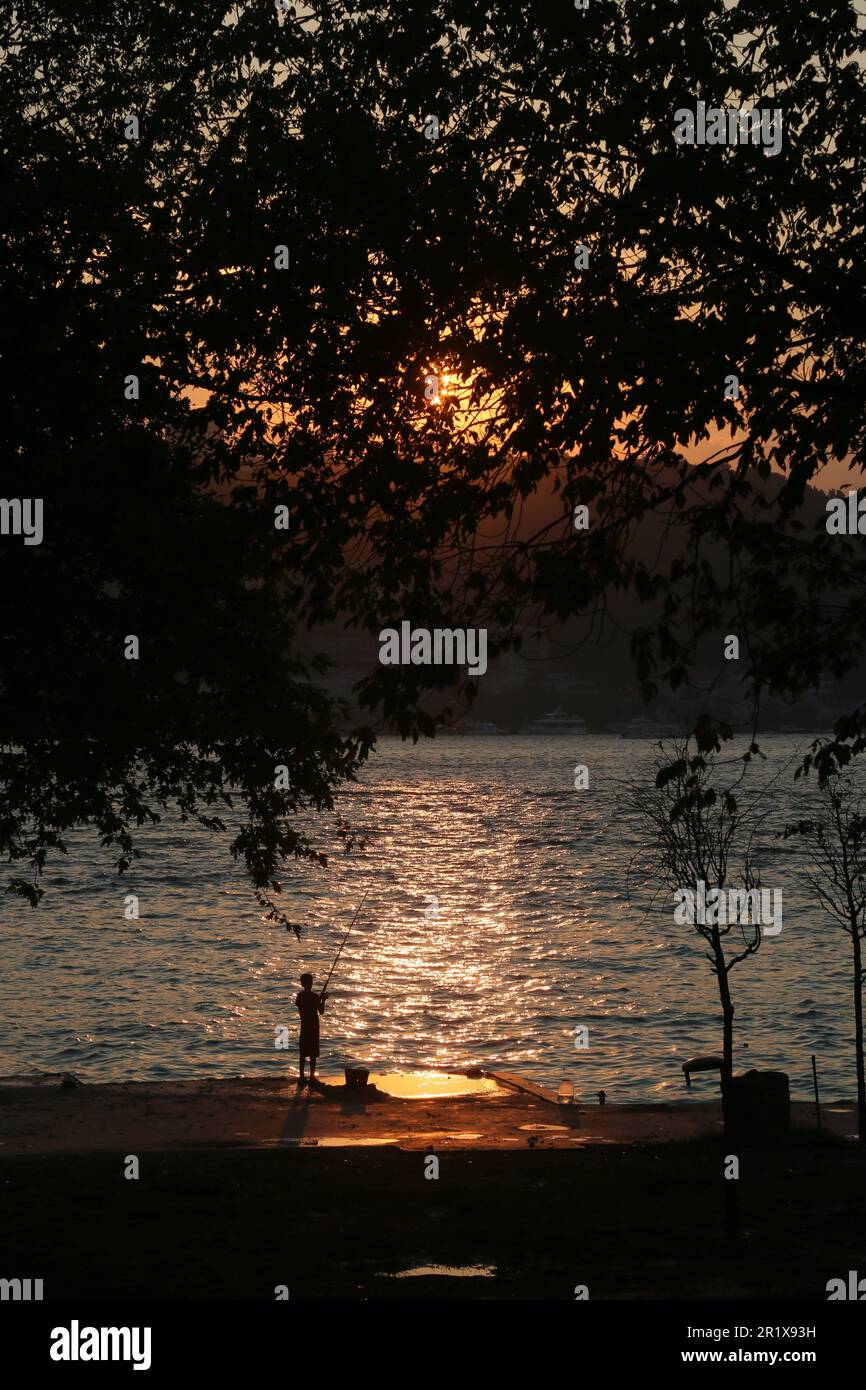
x,y
502,916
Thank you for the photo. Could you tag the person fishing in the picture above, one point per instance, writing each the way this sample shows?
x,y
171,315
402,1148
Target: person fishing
x,y
309,1006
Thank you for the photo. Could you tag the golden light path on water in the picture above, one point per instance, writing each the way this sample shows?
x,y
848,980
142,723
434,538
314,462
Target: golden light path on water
x,y
498,921
453,942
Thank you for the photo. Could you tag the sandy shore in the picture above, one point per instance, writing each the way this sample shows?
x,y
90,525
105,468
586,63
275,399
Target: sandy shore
x,y
138,1117
246,1186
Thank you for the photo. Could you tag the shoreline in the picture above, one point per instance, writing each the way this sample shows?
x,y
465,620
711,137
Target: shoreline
x,y
500,1111
253,1188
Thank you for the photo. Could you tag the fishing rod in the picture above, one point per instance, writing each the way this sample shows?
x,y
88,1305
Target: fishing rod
x,y
343,942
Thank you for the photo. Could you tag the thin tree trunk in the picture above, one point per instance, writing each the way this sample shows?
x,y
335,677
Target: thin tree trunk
x,y
727,1031
732,1216
858,1036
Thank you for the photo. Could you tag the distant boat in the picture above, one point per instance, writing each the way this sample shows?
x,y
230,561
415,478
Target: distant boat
x,y
557,723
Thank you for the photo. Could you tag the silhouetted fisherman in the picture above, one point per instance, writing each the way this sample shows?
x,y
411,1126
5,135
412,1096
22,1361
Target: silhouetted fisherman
x,y
309,1006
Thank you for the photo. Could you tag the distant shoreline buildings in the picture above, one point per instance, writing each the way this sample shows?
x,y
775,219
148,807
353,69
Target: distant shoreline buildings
x,y
542,693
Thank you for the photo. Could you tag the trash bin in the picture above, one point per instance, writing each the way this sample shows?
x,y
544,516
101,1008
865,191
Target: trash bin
x,y
760,1102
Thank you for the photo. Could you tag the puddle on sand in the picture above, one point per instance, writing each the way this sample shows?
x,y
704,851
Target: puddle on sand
x,y
338,1142
547,1129
434,1135
424,1085
449,1271
588,1139
431,1085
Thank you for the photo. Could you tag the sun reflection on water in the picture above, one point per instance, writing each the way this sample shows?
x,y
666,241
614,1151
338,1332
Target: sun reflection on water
x,y
498,921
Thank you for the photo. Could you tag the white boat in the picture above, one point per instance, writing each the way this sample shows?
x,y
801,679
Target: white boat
x,y
557,722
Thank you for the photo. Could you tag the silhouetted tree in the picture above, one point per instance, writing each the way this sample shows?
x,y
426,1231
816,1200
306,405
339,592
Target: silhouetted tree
x,y
836,837
703,835
155,157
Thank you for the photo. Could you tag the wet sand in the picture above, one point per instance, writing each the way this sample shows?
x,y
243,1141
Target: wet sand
x,y
138,1117
245,1186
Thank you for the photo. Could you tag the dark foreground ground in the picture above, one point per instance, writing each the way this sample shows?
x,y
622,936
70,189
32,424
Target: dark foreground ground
x,y
627,1221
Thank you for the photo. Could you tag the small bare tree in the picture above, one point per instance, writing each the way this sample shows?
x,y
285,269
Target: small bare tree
x,y
701,835
836,835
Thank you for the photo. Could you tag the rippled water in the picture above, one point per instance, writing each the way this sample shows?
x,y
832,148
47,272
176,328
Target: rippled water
x,y
498,921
